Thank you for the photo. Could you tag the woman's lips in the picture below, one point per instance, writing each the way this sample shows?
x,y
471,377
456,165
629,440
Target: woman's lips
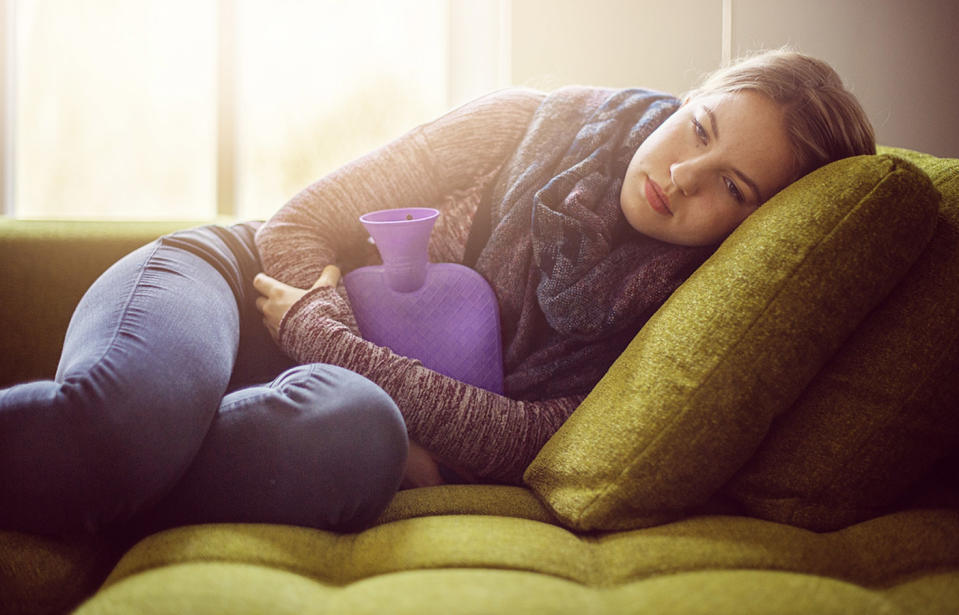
x,y
657,198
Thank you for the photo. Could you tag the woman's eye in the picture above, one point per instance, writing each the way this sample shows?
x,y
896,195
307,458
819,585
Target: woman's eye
x,y
734,190
700,131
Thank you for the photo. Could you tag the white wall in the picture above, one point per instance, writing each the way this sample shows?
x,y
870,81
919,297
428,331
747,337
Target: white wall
x,y
900,58
660,45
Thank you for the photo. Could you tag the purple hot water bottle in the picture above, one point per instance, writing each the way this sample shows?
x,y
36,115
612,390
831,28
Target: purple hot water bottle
x,y
443,314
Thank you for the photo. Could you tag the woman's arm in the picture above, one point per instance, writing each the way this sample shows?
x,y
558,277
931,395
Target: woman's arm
x,y
440,164
468,428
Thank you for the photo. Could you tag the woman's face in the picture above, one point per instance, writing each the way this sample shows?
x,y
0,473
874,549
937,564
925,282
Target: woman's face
x,y
706,168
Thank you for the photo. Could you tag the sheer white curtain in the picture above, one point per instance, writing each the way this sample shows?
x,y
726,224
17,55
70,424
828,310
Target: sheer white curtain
x,y
185,108
113,105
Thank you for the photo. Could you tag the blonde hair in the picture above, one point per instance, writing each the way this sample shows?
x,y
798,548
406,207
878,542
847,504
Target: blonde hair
x,y
824,120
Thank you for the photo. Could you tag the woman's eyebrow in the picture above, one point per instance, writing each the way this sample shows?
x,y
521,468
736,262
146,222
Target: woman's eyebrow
x,y
712,120
742,176
752,185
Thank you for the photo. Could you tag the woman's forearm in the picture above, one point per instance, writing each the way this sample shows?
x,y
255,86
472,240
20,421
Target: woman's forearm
x,y
486,434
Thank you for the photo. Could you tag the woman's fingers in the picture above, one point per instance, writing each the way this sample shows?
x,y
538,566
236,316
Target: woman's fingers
x,y
266,285
263,283
329,277
275,297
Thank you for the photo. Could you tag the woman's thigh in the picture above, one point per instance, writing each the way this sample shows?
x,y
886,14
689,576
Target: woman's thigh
x,y
319,446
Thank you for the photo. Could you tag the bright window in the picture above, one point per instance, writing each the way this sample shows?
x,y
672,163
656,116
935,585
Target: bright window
x,y
113,108
188,108
320,83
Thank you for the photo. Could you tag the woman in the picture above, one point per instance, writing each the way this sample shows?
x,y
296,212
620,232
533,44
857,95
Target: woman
x,y
594,223
584,208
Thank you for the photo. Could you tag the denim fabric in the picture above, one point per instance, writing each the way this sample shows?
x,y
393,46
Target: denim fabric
x,y
156,408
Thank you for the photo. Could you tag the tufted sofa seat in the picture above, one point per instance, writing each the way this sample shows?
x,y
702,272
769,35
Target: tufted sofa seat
x,y
496,549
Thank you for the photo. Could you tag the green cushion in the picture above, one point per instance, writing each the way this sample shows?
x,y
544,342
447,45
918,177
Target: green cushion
x,y
694,394
883,411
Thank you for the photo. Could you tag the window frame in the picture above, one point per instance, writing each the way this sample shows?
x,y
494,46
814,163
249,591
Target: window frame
x,y
7,96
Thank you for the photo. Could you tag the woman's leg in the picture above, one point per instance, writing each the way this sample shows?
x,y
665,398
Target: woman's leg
x,y
320,447
147,358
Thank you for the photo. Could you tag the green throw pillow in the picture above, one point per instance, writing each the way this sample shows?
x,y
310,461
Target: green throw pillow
x,y
883,411
694,394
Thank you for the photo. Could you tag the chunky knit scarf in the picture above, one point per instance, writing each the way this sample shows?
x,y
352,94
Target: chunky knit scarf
x,y
575,282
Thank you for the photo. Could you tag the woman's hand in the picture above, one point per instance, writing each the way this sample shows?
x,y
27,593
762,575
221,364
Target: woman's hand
x,y
277,298
421,469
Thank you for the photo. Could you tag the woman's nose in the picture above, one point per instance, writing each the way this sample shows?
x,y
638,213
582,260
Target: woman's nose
x,y
691,171
684,175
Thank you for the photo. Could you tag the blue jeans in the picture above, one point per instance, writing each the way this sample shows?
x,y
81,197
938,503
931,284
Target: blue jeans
x,y
156,409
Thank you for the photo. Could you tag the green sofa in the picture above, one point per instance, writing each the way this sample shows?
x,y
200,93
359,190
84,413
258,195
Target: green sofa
x,y
780,438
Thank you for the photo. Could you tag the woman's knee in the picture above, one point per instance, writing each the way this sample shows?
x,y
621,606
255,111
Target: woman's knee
x,y
320,446
363,434
335,395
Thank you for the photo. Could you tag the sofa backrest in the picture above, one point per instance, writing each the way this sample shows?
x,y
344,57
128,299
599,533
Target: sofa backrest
x,y
45,267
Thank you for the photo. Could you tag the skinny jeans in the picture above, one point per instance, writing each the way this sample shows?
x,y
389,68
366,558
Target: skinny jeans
x,y
171,403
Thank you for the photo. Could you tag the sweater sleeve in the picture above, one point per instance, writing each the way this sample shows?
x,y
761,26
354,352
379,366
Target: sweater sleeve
x,y
468,428
427,166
